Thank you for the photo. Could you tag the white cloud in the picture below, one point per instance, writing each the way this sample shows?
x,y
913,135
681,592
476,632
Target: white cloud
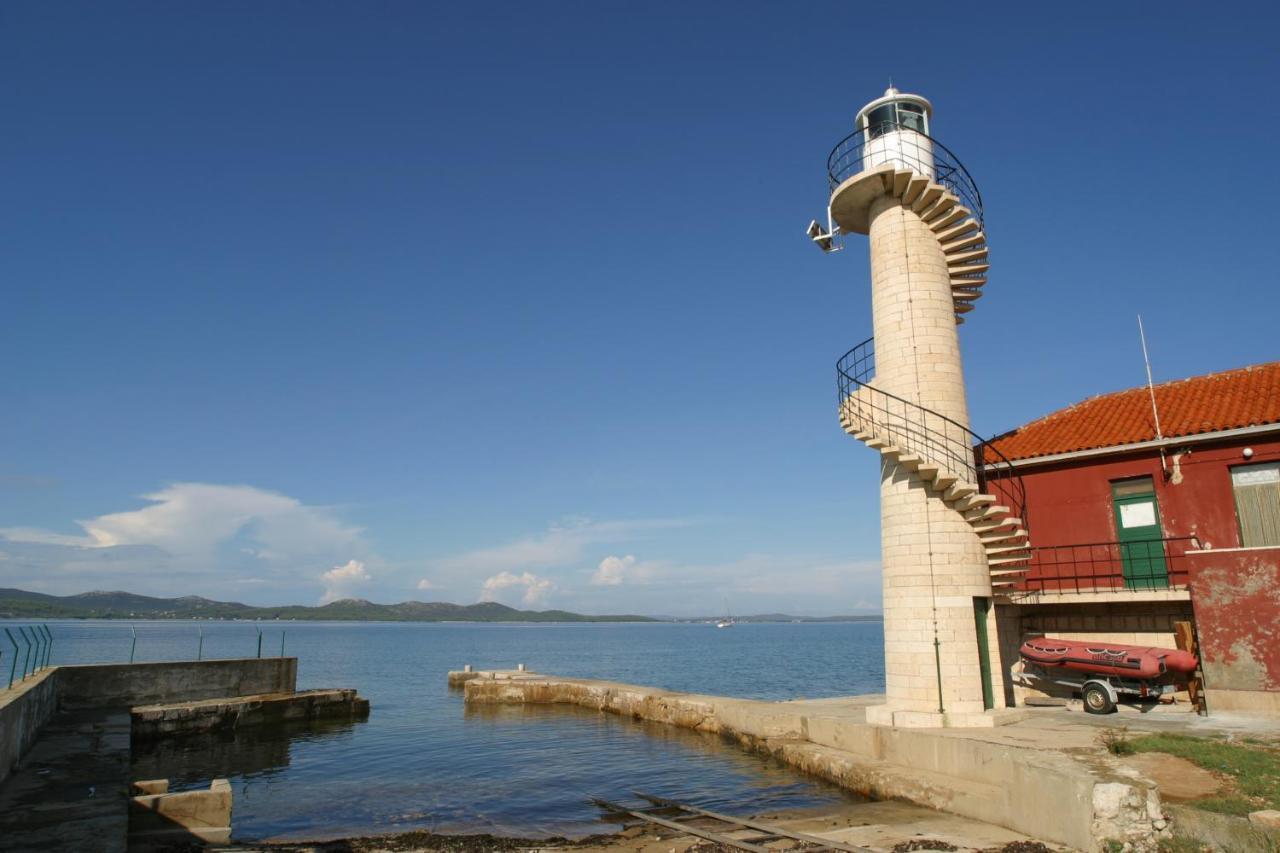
x,y
611,570
562,544
339,580
425,584
536,589
189,538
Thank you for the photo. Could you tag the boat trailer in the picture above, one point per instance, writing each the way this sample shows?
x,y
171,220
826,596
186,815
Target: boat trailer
x,y
680,817
1099,693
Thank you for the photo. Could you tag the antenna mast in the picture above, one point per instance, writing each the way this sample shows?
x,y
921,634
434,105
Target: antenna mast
x,y
1151,389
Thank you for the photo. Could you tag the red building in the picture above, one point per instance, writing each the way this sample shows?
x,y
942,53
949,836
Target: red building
x,y
1135,527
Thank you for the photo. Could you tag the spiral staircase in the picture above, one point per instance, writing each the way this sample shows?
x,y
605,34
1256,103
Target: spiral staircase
x,y
966,473
949,461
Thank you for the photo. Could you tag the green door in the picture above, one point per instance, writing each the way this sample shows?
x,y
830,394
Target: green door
x,y
1138,531
980,608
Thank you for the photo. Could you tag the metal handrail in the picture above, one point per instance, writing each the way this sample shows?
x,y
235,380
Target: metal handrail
x,y
932,436
912,149
1105,562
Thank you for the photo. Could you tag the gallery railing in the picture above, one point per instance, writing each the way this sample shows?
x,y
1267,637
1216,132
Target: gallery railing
x,y
906,148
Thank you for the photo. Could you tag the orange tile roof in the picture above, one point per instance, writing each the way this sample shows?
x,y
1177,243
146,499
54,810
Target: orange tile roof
x,y
1247,396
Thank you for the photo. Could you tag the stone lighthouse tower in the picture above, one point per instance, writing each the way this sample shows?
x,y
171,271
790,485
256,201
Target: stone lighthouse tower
x,y
953,531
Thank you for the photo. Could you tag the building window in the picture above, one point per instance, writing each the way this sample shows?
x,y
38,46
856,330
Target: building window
x,y
1257,489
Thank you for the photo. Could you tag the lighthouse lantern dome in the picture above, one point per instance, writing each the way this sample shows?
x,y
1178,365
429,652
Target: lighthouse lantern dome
x,y
895,130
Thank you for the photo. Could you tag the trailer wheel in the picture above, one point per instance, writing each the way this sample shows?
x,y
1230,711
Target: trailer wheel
x,y
1097,699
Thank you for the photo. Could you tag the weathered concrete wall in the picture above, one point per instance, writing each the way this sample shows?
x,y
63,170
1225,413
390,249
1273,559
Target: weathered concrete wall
x,y
105,685
24,709
1001,783
1236,593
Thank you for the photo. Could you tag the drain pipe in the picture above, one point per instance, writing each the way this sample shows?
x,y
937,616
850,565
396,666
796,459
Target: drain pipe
x,y
937,666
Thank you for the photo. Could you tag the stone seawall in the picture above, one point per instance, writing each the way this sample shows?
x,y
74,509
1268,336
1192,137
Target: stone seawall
x,y
30,704
992,775
127,684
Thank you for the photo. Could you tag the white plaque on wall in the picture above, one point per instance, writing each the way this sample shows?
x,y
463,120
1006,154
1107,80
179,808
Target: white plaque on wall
x,y
1137,515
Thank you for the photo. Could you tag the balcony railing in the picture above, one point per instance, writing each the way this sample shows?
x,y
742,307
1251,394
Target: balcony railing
x,y
907,148
1150,564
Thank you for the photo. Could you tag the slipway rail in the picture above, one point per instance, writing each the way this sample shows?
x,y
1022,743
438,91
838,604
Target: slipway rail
x,y
680,817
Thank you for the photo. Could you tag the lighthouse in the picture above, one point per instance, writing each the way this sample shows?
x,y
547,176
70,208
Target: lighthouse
x,y
954,532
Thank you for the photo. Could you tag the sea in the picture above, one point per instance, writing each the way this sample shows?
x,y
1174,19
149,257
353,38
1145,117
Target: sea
x,y
425,761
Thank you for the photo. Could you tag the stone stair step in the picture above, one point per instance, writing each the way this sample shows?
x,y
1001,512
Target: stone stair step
x,y
901,178
966,280
931,193
927,471
971,501
1006,535
963,307
965,295
983,513
1009,573
960,259
940,207
1003,561
863,435
960,490
965,270
951,217
953,246
915,186
997,549
943,481
909,461
996,524
957,231
876,443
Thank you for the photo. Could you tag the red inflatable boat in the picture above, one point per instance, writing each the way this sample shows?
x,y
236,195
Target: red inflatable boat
x,y
1142,662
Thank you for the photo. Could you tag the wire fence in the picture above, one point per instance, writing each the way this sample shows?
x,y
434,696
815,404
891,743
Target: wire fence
x,y
27,649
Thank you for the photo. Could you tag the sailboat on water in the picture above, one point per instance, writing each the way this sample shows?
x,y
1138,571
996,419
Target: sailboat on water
x,y
727,621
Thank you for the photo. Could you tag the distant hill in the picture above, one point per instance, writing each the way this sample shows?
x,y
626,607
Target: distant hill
x,y
20,604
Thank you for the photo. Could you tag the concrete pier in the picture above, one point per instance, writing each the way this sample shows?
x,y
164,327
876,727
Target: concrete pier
x,y
1042,777
209,715
66,735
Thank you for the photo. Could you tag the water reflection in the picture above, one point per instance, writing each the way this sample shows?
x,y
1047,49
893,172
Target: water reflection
x,y
193,760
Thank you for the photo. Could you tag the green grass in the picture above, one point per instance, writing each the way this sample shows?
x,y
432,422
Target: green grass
x,y
1255,770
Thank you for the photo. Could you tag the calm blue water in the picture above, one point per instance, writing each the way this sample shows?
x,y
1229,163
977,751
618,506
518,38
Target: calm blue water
x,y
423,760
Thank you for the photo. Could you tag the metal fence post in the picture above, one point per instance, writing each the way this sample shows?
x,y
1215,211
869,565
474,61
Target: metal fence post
x,y
48,650
200,647
26,658
134,646
38,654
282,633
13,667
259,630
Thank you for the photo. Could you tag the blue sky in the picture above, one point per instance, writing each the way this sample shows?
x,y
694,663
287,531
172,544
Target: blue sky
x,y
459,301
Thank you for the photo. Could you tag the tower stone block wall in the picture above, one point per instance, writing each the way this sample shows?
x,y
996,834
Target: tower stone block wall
x,y
933,563
951,534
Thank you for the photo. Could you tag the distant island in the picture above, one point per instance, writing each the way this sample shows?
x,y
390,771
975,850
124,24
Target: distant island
x,y
21,604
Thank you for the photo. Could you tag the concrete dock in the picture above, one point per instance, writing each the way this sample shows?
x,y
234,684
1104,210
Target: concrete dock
x,y
1044,776
234,712
66,736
